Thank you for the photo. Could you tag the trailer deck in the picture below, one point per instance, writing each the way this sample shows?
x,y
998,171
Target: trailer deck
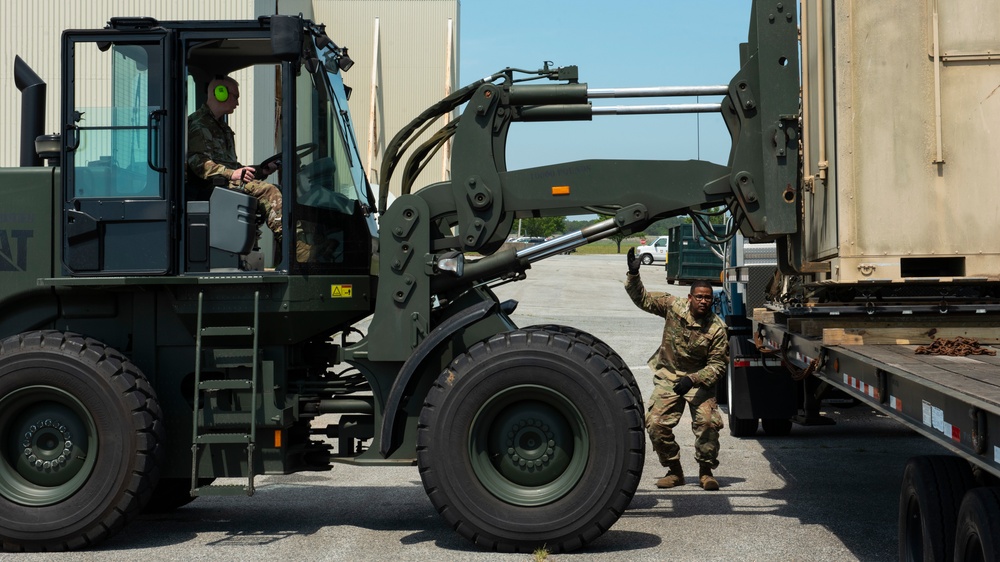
x,y
953,400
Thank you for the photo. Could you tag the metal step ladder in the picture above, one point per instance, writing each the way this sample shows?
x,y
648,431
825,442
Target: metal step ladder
x,y
219,427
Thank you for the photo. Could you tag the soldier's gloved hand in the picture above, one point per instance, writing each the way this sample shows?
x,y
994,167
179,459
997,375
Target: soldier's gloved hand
x,y
242,175
683,385
633,262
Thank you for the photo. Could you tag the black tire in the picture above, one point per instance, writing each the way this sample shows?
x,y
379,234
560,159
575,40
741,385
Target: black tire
x,y
530,396
774,427
977,538
600,348
171,494
647,259
91,415
929,500
738,427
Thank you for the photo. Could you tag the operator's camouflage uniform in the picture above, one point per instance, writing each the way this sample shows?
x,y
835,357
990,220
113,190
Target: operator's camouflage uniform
x,y
692,347
212,152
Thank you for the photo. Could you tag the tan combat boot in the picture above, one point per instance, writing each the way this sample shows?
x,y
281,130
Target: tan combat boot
x,y
674,477
706,479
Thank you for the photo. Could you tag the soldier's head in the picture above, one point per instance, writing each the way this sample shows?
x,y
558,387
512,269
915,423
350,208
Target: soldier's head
x,y
700,297
223,95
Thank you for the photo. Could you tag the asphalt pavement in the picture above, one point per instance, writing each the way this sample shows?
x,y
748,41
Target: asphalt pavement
x,y
822,493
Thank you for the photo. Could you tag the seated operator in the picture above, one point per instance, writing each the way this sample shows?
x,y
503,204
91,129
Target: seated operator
x,y
212,153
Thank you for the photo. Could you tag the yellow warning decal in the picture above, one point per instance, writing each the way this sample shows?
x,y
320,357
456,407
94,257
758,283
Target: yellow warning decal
x,y
340,291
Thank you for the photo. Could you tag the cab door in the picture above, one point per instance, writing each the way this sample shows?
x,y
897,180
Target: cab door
x,y
117,205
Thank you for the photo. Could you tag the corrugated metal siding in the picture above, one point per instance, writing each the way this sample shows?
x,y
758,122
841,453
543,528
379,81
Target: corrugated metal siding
x,y
34,33
412,64
413,57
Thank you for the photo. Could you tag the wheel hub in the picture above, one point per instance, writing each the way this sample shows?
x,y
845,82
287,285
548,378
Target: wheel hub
x,y
536,447
530,443
48,447
45,435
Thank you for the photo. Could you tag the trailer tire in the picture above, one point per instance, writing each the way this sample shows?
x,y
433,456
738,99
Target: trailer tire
x,y
774,427
977,537
600,347
738,427
930,496
81,437
530,396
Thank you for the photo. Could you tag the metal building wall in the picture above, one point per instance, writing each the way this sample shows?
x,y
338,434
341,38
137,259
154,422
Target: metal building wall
x,y
418,59
36,39
415,67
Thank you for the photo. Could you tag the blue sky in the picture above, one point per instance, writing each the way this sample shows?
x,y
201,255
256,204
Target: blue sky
x,y
616,44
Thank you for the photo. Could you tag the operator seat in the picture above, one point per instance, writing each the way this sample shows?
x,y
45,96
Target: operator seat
x,y
220,231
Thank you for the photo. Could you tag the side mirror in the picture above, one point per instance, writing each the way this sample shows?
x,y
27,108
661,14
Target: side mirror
x,y
286,37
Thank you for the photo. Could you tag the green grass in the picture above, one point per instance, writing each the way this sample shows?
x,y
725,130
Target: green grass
x,y
606,247
602,247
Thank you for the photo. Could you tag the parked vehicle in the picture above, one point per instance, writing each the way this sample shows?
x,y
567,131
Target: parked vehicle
x,y
657,251
529,240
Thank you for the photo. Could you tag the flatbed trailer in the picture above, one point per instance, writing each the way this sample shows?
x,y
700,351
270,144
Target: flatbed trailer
x,y
951,400
792,356
895,247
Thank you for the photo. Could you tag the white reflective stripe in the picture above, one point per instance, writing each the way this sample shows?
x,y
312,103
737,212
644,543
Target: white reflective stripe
x,y
895,403
861,386
756,363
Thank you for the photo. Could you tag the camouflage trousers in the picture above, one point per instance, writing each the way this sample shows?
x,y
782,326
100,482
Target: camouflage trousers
x,y
269,198
664,413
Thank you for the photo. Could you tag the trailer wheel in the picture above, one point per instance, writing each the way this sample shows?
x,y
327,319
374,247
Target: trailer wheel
x,y
647,259
774,427
977,538
738,427
80,441
929,500
530,439
601,348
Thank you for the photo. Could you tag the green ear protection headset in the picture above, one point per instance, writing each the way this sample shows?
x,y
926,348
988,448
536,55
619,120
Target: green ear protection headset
x,y
221,92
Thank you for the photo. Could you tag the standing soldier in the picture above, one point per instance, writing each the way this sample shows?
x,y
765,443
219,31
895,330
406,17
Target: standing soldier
x,y
693,355
212,152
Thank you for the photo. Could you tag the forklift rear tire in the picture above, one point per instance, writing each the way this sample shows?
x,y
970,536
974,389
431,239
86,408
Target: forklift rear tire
x,y
81,436
530,439
978,534
929,500
171,494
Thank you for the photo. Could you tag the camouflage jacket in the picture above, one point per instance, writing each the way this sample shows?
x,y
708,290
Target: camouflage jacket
x,y
695,347
211,146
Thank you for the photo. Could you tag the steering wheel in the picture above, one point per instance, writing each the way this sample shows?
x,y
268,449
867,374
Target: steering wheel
x,y
301,151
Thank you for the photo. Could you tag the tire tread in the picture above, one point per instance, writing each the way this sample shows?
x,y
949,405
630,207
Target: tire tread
x,y
601,363
146,425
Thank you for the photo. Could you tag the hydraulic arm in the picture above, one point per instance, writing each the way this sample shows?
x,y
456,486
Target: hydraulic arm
x,y
426,234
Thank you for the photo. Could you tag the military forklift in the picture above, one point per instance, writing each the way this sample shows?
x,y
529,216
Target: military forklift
x,y
146,361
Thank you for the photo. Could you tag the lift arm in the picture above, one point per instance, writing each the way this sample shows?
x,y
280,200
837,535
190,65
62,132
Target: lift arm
x,y
426,234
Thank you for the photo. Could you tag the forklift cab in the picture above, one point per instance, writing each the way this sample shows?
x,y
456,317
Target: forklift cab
x,y
127,207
